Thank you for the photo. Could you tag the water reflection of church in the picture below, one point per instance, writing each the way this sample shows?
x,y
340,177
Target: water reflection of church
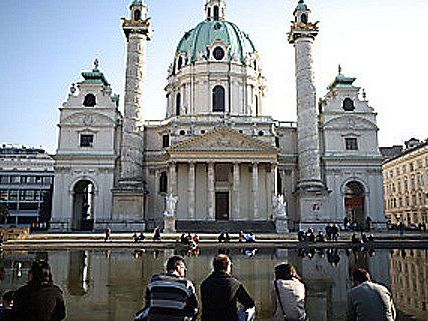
x,y
110,285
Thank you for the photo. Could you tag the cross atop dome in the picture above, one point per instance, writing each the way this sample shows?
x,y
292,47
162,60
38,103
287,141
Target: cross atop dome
x,y
215,9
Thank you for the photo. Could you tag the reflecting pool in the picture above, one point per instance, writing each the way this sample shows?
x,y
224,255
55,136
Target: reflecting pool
x,y
110,285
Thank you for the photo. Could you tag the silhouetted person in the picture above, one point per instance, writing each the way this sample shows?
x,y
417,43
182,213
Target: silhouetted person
x,y
157,234
7,305
40,299
220,293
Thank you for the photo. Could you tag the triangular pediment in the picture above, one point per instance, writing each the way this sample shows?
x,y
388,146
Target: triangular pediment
x,y
223,139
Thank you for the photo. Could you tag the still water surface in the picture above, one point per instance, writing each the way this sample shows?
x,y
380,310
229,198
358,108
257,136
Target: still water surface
x,y
109,285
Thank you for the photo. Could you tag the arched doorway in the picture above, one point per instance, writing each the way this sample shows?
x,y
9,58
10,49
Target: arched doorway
x,y
354,203
83,206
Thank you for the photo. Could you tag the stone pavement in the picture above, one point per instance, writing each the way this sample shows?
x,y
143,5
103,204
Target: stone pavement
x,y
383,239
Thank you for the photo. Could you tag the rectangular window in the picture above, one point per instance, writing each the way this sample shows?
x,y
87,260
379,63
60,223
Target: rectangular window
x,y
351,144
86,140
38,179
47,180
3,194
15,180
13,195
4,179
165,141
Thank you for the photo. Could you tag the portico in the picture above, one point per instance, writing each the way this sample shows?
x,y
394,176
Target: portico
x,y
223,176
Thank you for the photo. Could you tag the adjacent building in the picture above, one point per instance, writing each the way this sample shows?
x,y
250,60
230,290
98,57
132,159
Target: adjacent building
x,y
26,183
406,184
216,150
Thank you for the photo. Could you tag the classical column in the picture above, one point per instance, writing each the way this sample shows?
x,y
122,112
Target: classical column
x,y
255,190
236,191
172,184
274,177
191,190
211,191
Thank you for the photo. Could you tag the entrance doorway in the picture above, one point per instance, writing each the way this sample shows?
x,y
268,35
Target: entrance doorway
x,y
222,206
83,206
354,203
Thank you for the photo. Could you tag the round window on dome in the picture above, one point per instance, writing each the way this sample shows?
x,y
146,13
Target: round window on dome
x,y
218,53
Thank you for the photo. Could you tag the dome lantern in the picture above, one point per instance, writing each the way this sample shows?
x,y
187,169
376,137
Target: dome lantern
x,y
215,10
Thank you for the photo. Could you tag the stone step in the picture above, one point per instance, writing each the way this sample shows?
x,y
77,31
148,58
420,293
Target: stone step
x,y
225,226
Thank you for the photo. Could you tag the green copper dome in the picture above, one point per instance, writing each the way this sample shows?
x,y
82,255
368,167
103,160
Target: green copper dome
x,y
195,42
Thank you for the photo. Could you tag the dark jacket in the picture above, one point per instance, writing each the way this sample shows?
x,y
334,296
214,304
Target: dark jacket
x,y
220,293
35,303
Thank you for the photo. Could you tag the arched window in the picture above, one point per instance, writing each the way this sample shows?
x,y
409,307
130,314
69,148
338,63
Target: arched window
x,y
178,104
257,105
180,63
209,13
163,183
348,104
304,18
216,13
137,15
90,100
218,99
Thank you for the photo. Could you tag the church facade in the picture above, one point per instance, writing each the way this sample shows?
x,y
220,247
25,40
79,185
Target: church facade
x,y
216,150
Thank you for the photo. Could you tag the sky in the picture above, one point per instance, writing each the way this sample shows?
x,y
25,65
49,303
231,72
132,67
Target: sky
x,y
46,44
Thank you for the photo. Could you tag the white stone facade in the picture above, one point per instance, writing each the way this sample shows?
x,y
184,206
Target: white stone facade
x,y
216,150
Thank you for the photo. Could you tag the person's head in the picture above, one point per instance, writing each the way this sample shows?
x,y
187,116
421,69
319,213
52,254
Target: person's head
x,y
40,273
223,263
285,271
7,299
175,265
360,276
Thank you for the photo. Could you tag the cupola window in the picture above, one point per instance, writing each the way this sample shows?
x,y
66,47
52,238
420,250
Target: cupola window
x,y
180,63
348,104
216,13
89,101
218,53
178,104
137,15
218,99
304,18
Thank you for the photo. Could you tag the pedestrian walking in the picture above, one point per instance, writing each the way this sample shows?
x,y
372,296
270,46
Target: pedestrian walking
x,y
288,295
157,234
40,298
368,300
107,236
220,293
170,296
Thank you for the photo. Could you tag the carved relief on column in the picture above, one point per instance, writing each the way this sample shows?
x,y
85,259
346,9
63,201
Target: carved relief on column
x,y
236,191
255,190
172,186
211,191
191,190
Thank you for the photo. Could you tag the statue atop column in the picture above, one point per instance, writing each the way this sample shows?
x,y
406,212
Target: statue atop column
x,y
279,211
279,206
169,213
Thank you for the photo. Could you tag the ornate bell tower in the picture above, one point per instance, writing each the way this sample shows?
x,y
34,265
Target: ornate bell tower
x,y
138,31
310,186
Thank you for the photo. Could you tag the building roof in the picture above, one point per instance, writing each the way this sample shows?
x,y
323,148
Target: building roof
x,y
195,42
405,151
